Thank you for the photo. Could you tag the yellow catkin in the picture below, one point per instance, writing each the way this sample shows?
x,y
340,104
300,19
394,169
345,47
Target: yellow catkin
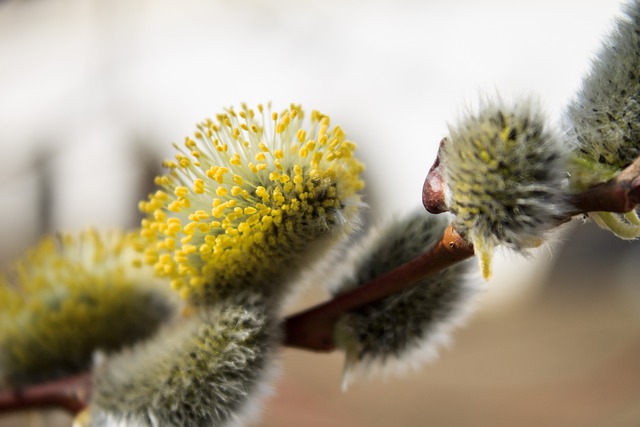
x,y
268,185
71,295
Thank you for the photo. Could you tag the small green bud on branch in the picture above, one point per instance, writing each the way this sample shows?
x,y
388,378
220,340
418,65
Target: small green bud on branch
x,y
621,194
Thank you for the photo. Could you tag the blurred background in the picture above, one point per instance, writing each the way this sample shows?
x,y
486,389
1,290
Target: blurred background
x,y
92,93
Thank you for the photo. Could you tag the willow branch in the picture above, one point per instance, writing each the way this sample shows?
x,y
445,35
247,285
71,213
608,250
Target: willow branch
x,y
621,194
312,329
69,394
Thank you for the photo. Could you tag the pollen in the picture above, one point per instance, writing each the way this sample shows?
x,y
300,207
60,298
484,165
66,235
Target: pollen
x,y
198,186
270,188
65,283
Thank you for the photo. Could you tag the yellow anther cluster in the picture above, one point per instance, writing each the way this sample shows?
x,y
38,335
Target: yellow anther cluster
x,y
246,195
69,296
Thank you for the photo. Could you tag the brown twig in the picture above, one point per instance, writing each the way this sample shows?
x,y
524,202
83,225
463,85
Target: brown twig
x,y
621,194
313,328
69,394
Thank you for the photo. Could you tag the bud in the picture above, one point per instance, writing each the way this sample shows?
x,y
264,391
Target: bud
x,y
504,170
602,119
208,370
70,296
407,327
249,200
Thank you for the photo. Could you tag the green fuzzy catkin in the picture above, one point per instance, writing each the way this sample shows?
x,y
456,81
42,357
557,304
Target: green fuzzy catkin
x,y
504,170
415,322
603,118
70,296
203,372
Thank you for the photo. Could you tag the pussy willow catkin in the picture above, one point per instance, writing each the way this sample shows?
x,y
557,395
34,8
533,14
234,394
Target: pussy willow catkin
x,y
70,296
602,119
401,329
249,199
504,168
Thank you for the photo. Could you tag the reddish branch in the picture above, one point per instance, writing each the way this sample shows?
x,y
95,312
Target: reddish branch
x,y
69,394
312,329
621,194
